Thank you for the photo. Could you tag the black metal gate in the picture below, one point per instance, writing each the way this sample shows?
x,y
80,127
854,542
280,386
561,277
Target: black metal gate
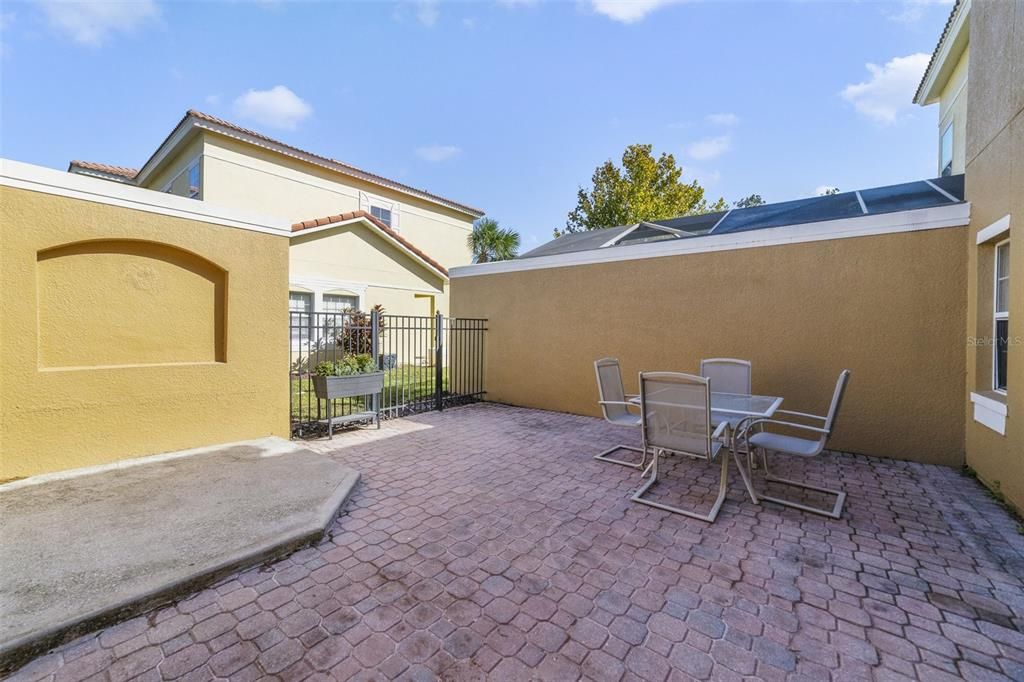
x,y
429,363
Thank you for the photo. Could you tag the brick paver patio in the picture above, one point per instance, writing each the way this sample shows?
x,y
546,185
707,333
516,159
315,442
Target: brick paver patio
x,y
484,542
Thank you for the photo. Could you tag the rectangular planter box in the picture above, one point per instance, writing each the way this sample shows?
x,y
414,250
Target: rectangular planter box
x,y
329,388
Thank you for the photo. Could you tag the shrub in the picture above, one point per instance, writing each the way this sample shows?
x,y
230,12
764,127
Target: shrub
x,y
353,363
356,334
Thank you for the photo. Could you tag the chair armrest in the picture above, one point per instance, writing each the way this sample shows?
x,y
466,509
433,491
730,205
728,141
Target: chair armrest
x,y
718,431
628,404
743,425
802,414
779,422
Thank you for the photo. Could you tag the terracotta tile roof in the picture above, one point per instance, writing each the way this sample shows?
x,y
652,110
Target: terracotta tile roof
x,y
122,171
938,46
352,215
349,169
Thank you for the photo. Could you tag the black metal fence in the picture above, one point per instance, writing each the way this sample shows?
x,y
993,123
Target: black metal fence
x,y
429,363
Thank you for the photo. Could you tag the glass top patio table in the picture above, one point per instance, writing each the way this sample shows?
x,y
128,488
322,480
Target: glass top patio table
x,y
735,407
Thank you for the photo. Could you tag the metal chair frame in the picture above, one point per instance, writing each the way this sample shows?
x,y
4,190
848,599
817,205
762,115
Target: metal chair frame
x,y
604,403
712,449
823,432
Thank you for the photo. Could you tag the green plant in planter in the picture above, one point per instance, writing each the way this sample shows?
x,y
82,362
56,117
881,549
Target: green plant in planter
x,y
353,363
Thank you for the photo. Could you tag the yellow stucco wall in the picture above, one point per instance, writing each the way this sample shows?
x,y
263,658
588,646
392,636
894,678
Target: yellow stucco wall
x,y
995,188
242,176
356,258
890,308
127,332
953,110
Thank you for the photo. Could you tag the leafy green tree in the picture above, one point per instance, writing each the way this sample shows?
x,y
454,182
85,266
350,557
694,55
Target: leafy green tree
x,y
490,242
752,200
644,188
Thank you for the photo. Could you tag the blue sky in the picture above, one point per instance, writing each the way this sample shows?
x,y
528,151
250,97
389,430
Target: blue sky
x,y
508,106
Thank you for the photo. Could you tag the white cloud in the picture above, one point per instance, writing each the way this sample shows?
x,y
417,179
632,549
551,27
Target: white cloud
x,y
725,119
213,100
709,147
628,11
278,107
427,12
91,22
438,152
6,19
706,177
469,23
890,90
912,11
822,190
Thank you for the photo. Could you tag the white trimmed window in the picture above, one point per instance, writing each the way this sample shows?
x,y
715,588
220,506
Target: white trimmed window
x,y
382,214
1001,316
384,210
194,181
946,151
339,303
188,182
300,307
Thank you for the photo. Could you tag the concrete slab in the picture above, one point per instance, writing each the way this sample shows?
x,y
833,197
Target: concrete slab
x,y
82,551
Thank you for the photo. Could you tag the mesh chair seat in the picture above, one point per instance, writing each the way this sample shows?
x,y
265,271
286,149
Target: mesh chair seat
x,y
790,445
624,419
715,447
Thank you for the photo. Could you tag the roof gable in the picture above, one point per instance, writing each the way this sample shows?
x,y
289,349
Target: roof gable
x,y
197,120
327,222
947,52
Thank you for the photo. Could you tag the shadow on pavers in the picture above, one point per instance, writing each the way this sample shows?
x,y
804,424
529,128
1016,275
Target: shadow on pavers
x,y
85,551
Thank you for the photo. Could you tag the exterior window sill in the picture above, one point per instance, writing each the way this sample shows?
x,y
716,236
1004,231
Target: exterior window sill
x,y
990,410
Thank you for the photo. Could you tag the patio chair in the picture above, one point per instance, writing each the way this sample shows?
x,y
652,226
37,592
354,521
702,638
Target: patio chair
x,y
675,411
615,407
727,375
820,429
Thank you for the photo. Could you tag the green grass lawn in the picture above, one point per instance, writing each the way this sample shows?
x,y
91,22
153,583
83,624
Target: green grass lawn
x,y
402,385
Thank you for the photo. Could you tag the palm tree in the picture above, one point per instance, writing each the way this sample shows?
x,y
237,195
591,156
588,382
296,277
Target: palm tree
x,y
490,242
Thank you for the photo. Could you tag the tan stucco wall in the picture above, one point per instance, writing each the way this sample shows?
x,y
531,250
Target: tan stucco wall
x,y
126,333
245,177
953,109
995,188
889,308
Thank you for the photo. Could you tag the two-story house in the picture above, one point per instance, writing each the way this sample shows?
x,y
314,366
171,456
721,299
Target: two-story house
x,y
976,75
358,239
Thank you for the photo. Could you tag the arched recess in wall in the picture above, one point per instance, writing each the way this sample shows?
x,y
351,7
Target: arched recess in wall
x,y
124,302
